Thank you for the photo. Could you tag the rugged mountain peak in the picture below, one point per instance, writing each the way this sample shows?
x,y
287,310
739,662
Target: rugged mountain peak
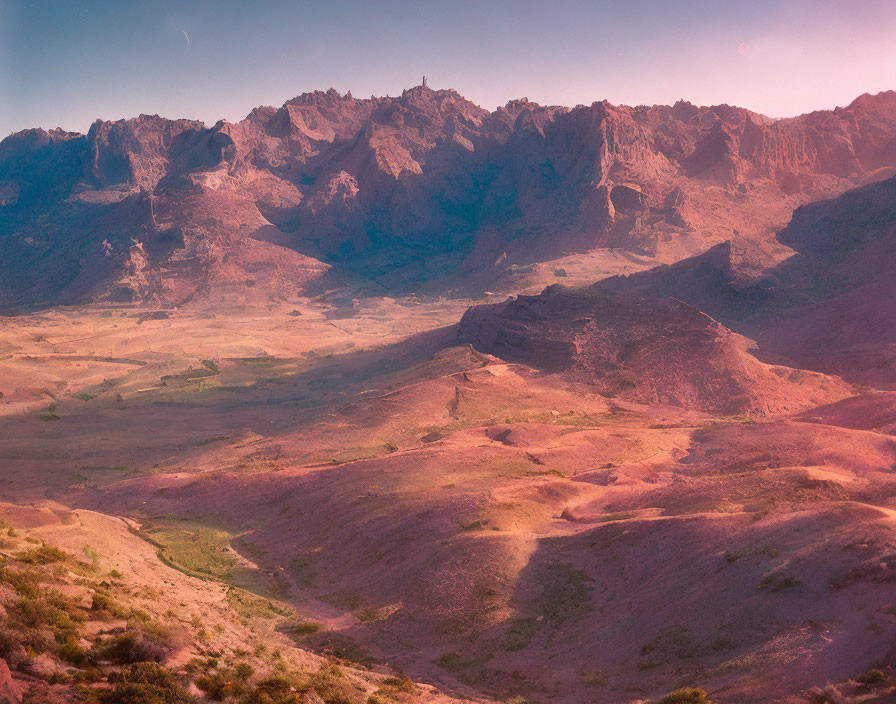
x,y
684,110
883,103
430,174
140,151
20,144
330,98
38,136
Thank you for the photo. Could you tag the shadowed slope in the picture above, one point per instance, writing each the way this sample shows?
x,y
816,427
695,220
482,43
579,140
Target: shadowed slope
x,y
828,307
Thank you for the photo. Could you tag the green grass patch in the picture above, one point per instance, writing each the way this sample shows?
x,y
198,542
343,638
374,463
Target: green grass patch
x,y
519,634
299,627
249,605
195,550
566,593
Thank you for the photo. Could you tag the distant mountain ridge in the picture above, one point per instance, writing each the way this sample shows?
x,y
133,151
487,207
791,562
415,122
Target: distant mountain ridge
x,y
404,190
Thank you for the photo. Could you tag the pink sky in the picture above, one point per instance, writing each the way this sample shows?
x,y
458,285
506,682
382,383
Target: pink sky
x,y
66,64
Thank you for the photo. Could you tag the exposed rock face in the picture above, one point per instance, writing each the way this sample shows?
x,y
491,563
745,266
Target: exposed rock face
x,y
715,156
382,186
628,197
650,349
828,307
10,690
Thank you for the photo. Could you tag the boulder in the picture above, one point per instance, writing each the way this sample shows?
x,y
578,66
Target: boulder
x,y
10,690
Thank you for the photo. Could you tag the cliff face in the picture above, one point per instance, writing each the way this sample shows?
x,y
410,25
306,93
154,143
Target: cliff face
x,y
385,185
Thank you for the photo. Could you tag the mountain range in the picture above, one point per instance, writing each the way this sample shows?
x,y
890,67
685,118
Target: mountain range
x,y
425,192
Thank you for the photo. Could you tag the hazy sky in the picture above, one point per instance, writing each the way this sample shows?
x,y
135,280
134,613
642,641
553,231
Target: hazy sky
x,y
67,62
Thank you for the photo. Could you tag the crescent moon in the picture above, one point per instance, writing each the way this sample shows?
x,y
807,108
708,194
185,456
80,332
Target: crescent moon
x,y
187,37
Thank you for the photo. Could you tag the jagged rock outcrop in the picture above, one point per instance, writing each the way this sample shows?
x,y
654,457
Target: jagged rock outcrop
x,y
383,186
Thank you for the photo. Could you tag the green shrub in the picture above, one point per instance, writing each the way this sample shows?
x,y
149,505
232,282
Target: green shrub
x,y
299,628
871,677
686,695
104,605
25,582
72,652
201,665
134,646
370,615
53,610
43,555
400,684
16,636
273,690
145,683
229,682
244,671
220,685
333,686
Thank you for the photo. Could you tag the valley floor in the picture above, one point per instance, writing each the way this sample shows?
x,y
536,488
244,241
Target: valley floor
x,y
348,483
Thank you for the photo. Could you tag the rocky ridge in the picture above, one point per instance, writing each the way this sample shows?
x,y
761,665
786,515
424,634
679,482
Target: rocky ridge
x,y
423,187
